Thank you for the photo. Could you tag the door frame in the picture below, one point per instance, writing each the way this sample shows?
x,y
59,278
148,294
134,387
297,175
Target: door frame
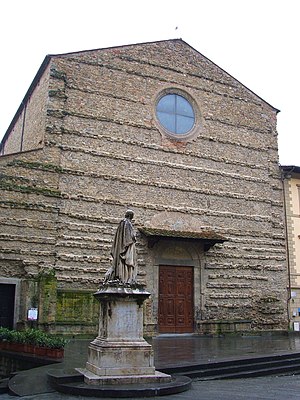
x,y
17,283
173,252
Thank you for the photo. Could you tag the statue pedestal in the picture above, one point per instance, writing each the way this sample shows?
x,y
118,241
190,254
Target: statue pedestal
x,y
120,354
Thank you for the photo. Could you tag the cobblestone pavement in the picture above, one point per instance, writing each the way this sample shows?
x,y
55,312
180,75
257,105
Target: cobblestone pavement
x,y
266,388
184,350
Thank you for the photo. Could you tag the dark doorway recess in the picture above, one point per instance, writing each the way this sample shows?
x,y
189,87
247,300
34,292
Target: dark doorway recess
x,y
7,305
176,292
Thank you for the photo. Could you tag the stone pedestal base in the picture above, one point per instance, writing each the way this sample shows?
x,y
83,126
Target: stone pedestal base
x,y
93,379
120,354
119,358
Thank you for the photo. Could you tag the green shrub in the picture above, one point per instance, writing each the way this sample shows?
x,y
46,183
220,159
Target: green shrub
x,y
55,342
32,336
5,334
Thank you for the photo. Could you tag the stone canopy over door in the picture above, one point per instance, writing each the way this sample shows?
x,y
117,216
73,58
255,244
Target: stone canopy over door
x,y
176,299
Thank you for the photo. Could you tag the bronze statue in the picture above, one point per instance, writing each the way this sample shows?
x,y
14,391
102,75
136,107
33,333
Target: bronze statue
x,y
123,252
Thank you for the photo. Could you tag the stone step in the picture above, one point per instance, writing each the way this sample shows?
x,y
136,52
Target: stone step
x,y
70,382
251,371
241,368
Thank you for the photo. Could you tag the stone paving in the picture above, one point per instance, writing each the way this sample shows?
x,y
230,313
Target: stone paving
x,y
267,388
184,350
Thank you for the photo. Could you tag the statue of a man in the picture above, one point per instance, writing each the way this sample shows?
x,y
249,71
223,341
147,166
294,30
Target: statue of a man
x,y
123,252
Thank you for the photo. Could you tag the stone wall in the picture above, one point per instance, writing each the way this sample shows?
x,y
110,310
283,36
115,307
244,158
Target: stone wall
x,y
104,151
29,128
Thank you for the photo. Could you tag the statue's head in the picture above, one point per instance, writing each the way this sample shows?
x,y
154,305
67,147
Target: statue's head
x,y
129,214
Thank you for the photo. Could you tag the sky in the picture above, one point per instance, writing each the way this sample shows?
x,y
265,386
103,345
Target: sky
x,y
255,41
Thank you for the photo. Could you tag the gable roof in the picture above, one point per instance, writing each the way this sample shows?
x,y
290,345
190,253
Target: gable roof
x,y
48,58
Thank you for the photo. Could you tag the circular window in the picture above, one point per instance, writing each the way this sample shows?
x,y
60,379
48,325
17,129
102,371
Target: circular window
x,y
175,113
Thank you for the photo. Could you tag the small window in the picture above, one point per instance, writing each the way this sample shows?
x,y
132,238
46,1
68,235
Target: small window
x,y
175,114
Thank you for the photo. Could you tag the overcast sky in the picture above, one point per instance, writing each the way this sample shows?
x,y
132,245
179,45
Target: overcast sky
x,y
256,41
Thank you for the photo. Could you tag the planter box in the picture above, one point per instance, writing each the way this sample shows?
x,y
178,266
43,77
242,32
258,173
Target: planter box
x,y
31,349
40,351
16,347
3,345
28,348
55,353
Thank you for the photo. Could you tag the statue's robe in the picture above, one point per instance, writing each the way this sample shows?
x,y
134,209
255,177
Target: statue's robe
x,y
123,252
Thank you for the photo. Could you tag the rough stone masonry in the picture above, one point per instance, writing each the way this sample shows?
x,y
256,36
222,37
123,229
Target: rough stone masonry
x,y
86,144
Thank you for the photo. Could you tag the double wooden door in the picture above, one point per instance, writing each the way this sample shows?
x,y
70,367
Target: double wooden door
x,y
176,292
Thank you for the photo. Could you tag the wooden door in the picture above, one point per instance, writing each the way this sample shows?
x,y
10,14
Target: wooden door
x,y
176,292
7,305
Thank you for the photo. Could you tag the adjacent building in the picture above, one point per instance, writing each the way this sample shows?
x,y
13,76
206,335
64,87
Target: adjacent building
x,y
158,128
291,182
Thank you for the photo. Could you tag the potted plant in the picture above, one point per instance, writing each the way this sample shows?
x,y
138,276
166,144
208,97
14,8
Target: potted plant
x,y
5,337
55,347
32,341
17,341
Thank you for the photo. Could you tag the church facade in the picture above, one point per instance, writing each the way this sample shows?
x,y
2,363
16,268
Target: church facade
x,y
162,130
